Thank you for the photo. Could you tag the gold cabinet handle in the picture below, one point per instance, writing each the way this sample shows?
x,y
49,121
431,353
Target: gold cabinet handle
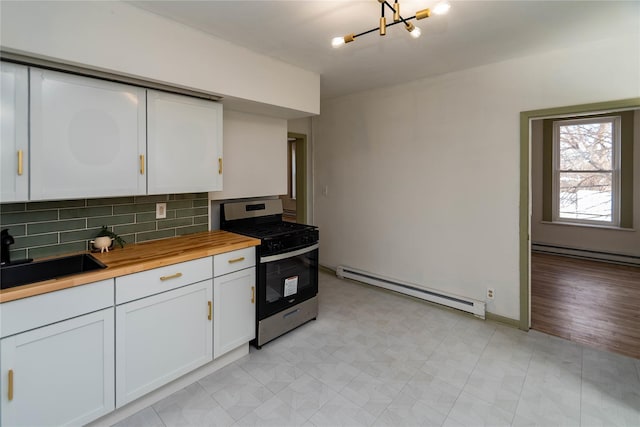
x,y
20,161
10,394
210,304
172,276
141,164
231,261
253,295
220,165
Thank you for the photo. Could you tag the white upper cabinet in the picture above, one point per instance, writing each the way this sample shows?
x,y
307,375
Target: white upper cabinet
x,y
14,138
87,137
184,144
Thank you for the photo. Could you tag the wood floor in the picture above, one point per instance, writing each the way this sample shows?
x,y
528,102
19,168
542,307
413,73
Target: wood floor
x,y
589,302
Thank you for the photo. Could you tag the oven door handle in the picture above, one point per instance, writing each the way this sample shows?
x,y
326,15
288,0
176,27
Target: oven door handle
x,y
289,254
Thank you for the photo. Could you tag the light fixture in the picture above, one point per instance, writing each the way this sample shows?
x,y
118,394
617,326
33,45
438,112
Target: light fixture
x,y
442,8
439,9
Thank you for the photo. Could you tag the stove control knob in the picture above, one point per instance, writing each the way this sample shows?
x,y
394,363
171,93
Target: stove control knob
x,y
274,246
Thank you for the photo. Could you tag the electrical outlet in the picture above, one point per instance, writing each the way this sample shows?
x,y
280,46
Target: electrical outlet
x,y
161,210
490,294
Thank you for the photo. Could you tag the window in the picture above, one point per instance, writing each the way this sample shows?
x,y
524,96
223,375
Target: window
x,y
586,170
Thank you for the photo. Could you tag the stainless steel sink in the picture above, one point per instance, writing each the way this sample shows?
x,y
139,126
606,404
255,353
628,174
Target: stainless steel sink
x,y
37,271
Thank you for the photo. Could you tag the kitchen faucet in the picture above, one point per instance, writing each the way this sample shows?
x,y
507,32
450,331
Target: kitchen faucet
x,y
6,240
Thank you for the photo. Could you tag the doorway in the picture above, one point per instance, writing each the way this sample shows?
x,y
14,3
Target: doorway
x,y
526,120
295,201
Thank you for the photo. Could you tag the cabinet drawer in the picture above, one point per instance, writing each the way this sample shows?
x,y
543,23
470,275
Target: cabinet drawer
x,y
145,283
234,261
34,312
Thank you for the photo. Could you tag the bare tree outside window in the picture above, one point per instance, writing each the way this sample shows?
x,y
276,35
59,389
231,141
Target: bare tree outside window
x,y
586,154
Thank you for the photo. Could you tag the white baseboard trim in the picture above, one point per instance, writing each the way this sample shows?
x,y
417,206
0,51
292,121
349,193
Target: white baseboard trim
x,y
475,307
586,254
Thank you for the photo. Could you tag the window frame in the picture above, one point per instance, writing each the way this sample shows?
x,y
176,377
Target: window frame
x,y
615,171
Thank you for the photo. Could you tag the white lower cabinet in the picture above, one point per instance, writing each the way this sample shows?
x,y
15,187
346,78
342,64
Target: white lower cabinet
x,y
60,374
61,366
162,337
234,320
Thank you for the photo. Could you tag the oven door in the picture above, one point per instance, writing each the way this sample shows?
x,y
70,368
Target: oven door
x,y
286,279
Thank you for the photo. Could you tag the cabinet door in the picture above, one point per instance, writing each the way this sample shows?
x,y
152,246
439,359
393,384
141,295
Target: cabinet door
x,y
234,310
161,338
62,374
14,138
87,137
184,144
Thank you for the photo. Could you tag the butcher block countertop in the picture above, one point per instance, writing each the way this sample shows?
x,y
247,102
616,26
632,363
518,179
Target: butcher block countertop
x,y
137,257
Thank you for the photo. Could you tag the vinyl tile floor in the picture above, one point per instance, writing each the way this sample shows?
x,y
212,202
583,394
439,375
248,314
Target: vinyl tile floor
x,y
375,358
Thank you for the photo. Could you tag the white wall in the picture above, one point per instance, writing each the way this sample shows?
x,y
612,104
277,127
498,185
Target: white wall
x,y
255,156
116,37
621,241
423,178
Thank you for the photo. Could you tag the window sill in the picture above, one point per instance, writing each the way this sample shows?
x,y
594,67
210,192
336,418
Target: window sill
x,y
575,224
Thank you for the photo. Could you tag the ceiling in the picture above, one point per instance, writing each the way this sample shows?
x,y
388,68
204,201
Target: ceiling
x,y
472,34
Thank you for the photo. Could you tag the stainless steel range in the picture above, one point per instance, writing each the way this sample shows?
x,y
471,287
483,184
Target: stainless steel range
x,y
286,265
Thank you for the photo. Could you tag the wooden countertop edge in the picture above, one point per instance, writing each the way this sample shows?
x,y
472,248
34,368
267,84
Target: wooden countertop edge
x,y
122,266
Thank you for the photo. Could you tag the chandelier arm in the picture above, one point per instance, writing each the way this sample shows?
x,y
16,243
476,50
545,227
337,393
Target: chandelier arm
x,y
388,25
401,18
366,32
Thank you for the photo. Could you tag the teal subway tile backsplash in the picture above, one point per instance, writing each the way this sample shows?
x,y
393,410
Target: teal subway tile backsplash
x,y
64,248
138,227
37,240
55,204
155,235
57,227
73,236
27,217
174,223
111,220
62,225
191,229
86,212
13,207
182,213
111,201
179,204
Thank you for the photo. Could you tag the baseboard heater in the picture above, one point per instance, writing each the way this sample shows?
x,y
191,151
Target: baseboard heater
x,y
586,254
477,308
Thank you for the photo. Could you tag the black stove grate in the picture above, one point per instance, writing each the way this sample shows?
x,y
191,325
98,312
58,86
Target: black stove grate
x,y
270,230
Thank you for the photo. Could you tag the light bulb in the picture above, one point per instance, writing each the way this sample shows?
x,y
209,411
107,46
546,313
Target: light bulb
x,y
415,33
442,8
337,42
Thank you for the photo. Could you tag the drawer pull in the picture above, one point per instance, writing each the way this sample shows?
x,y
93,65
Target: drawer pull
x,y
210,304
20,162
220,165
141,164
253,295
231,261
173,276
10,396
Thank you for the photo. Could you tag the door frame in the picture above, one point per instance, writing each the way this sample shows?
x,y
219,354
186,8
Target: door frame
x,y
525,186
301,176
